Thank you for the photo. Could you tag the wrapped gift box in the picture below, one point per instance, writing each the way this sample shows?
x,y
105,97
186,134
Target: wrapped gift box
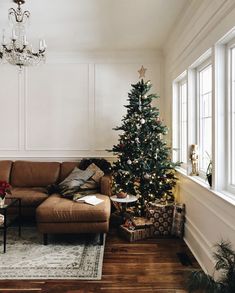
x,y
162,218
136,234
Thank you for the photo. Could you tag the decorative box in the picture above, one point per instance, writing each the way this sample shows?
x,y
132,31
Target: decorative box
x,y
162,218
138,234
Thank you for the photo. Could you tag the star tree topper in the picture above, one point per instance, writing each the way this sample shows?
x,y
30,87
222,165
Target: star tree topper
x,y
142,72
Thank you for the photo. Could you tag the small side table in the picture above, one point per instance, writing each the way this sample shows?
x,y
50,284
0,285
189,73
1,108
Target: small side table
x,y
8,221
124,203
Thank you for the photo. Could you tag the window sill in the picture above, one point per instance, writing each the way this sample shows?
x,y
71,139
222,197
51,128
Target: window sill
x,y
225,195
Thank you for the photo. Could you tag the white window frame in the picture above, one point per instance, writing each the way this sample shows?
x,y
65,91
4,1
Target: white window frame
x,y
180,84
230,106
200,67
177,110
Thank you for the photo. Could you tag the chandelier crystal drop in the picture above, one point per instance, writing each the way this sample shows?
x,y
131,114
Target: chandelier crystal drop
x,y
17,50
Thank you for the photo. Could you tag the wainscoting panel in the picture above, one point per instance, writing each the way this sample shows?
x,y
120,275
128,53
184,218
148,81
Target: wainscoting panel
x,y
209,219
10,119
67,108
57,108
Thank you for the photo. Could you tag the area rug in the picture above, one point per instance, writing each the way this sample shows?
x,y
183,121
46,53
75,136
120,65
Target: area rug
x,y
77,257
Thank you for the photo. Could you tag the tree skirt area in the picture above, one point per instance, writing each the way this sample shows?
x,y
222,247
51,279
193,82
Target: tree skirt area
x,y
77,257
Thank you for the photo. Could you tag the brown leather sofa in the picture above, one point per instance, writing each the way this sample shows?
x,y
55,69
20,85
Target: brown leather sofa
x,y
55,214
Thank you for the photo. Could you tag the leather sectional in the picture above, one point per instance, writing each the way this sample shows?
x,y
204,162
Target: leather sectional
x,y
55,214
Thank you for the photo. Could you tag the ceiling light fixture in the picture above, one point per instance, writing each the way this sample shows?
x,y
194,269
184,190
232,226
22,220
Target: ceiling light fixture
x,y
18,51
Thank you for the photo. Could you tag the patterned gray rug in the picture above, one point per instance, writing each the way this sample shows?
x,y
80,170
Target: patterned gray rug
x,y
77,257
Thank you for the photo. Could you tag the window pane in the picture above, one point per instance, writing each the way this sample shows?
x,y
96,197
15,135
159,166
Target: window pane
x,y
232,121
205,117
183,121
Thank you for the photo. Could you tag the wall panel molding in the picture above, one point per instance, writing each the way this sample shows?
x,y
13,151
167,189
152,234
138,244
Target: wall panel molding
x,y
60,104
10,100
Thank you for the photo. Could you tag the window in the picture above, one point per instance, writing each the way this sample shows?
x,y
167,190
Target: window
x,y
231,117
204,114
180,121
204,133
232,120
183,122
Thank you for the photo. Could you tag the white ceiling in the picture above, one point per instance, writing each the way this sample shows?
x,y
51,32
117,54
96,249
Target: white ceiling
x,y
74,25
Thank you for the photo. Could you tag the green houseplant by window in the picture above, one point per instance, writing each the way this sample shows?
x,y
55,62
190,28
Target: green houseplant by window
x,y
199,281
209,171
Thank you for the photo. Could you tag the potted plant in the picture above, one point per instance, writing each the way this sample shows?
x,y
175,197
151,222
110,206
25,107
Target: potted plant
x,y
199,281
4,189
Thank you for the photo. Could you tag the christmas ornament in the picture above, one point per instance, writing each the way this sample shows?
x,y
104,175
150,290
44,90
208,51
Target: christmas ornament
x,y
129,162
142,120
147,176
156,156
137,140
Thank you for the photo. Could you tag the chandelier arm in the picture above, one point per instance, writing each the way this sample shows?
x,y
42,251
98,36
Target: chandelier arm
x,y
25,14
18,15
42,51
13,12
6,49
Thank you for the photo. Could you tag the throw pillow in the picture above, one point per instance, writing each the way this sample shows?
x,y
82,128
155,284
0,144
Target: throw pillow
x,y
72,183
77,177
98,173
89,185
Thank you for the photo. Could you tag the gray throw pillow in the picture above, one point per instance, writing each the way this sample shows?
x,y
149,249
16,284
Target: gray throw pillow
x,y
73,182
89,185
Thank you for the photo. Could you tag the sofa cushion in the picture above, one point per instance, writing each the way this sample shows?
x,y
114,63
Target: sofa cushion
x,y
34,174
30,197
5,170
66,169
57,209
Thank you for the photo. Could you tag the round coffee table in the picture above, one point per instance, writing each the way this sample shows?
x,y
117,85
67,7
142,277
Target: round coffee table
x,y
124,203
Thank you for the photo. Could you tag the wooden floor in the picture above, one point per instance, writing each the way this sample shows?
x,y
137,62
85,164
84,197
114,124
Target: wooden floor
x,y
143,266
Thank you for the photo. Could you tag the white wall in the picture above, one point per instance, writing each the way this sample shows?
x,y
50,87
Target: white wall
x,y
67,108
209,217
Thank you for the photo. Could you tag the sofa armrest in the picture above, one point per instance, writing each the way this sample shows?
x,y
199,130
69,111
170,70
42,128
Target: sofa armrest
x,y
106,185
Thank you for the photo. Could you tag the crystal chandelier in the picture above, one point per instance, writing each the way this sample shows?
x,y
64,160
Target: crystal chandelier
x,y
18,51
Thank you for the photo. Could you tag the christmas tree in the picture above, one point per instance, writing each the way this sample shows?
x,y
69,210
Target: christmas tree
x,y
143,167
